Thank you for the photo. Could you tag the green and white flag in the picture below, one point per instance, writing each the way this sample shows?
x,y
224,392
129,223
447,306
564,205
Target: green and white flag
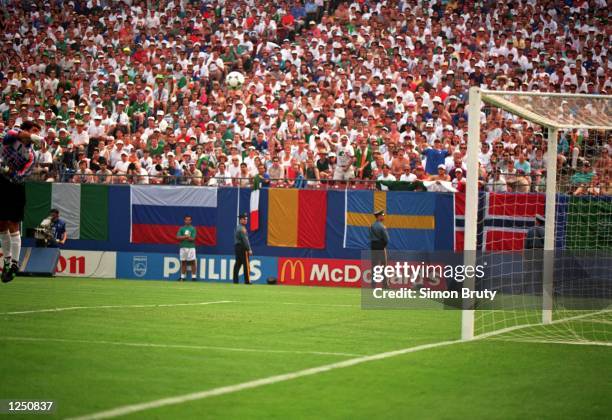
x,y
84,208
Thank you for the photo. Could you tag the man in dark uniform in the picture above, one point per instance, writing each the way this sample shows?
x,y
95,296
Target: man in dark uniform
x,y
533,257
16,163
379,239
535,234
242,247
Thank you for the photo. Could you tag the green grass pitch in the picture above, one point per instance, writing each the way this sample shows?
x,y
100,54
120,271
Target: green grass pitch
x,y
112,345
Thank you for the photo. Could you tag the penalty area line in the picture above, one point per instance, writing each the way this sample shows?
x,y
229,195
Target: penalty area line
x,y
76,308
179,399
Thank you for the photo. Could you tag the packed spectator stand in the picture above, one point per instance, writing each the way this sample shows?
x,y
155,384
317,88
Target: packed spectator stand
x,y
337,94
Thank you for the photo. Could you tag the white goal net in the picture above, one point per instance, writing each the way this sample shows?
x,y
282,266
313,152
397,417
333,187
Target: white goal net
x,y
539,212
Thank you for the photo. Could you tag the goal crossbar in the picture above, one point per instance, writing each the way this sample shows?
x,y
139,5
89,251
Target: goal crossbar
x,y
501,99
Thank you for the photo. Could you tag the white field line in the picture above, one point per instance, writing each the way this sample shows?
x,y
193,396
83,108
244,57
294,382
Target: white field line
x,y
76,308
556,321
175,346
330,305
179,399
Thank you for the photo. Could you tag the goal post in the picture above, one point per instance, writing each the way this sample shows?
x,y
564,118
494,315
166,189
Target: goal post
x,y
554,113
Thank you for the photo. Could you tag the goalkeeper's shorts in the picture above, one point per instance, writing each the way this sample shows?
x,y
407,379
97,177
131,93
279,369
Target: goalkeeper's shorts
x,y
13,199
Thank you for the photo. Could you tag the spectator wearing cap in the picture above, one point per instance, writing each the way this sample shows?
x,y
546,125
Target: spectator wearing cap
x,y
95,127
193,174
120,119
80,137
441,174
115,153
584,177
459,180
121,166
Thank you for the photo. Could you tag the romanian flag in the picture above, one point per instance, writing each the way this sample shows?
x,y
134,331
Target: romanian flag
x,y
296,218
157,213
415,221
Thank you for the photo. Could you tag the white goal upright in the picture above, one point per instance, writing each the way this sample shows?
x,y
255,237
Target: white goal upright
x,y
553,304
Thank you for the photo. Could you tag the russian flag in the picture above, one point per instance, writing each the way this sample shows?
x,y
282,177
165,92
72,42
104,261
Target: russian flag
x,y
157,213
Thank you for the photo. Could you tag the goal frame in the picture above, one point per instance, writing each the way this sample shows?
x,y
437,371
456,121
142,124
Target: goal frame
x,y
477,97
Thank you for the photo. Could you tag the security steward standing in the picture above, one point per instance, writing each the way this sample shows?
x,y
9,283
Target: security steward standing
x,y
243,250
535,235
533,256
379,239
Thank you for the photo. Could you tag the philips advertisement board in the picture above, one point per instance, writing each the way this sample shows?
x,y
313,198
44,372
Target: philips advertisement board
x,y
218,268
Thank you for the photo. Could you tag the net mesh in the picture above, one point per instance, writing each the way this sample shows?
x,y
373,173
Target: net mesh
x,y
509,216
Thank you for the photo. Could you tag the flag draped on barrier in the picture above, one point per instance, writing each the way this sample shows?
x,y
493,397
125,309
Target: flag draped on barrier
x,y
254,210
296,218
505,218
415,221
157,213
84,208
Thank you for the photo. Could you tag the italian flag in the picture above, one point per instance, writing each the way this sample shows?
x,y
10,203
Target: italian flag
x,y
84,208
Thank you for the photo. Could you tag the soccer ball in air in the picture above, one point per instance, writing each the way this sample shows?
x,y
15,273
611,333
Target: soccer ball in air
x,y
234,80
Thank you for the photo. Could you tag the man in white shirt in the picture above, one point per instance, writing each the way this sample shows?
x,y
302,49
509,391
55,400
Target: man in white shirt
x,y
115,154
386,176
80,137
121,167
96,129
120,117
346,155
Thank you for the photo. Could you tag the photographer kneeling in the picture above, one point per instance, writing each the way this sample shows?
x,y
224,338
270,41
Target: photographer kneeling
x,y
52,231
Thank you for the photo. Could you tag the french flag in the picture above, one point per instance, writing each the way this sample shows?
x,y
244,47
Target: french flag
x,y
254,210
157,213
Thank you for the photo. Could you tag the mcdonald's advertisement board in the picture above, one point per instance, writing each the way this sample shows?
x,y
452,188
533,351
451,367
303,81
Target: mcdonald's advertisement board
x,y
319,272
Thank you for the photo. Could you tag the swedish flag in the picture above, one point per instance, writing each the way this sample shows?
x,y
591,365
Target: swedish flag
x,y
419,221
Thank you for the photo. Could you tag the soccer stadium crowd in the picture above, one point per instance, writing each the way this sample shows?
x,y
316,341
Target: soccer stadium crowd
x,y
134,91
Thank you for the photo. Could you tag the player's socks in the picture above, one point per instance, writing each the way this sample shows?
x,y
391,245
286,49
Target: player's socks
x,y
15,245
5,240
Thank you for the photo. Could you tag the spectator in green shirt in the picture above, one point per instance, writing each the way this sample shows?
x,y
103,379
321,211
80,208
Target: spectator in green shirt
x,y
583,177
